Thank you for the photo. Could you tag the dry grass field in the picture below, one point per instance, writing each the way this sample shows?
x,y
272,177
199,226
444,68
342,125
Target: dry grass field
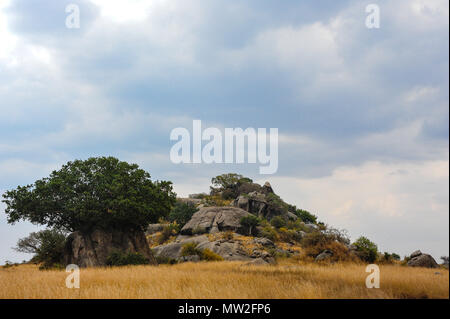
x,y
226,280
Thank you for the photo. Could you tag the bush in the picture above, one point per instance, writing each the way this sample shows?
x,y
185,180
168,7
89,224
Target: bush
x,y
209,255
216,200
288,235
269,233
278,222
305,216
46,245
182,213
167,232
249,223
118,258
366,250
276,204
190,249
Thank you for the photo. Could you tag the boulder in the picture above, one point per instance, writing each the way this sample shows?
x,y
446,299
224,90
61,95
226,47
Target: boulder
x,y
423,260
93,249
416,254
324,255
254,203
292,216
215,219
267,188
227,250
173,250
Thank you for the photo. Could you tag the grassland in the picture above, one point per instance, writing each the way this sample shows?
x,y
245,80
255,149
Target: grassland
x,y
226,280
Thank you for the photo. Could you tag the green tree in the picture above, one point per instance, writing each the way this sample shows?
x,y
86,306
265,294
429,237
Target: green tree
x,y
182,213
228,184
46,245
366,250
249,222
305,216
99,192
278,222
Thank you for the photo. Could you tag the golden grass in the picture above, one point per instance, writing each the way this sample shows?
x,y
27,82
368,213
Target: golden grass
x,y
226,280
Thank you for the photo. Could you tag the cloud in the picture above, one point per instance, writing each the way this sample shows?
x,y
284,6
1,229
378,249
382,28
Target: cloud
x,y
401,206
340,94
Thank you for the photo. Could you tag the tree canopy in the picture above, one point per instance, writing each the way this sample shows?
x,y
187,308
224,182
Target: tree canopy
x,y
83,195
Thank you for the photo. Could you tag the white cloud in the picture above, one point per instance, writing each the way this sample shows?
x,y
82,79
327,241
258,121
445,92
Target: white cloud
x,y
404,201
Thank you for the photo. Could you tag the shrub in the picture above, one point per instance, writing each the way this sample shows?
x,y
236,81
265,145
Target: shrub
x,y
249,223
269,233
305,216
46,245
216,200
278,222
182,213
118,258
209,255
276,204
167,232
288,235
340,251
190,249
366,250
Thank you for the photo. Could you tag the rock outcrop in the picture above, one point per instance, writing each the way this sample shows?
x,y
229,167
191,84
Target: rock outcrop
x,y
418,259
93,249
215,219
228,249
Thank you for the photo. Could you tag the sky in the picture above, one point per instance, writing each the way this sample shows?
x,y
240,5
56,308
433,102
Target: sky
x,y
362,114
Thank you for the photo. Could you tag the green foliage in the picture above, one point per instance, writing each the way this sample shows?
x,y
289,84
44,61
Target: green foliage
x,y
182,213
215,200
278,222
118,258
167,232
325,237
276,204
305,216
209,255
228,184
269,233
46,245
190,249
249,223
395,256
366,250
100,192
288,235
